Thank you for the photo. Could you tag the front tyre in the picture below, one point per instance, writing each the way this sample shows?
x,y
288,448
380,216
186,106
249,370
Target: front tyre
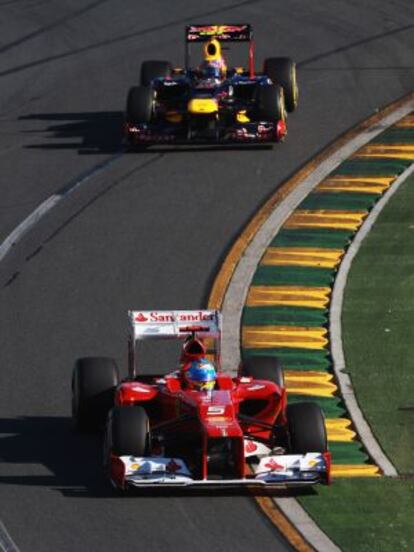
x,y
282,71
271,103
128,431
306,427
94,380
140,104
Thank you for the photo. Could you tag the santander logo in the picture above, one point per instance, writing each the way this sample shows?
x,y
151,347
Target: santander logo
x,y
175,316
250,447
141,318
274,466
172,466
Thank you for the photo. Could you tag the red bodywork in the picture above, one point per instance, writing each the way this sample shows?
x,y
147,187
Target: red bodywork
x,y
237,408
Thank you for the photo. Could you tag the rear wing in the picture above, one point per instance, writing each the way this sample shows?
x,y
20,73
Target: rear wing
x,y
224,33
176,324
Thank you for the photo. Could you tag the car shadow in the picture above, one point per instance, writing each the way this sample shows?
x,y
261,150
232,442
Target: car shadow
x,y
71,458
74,463
87,132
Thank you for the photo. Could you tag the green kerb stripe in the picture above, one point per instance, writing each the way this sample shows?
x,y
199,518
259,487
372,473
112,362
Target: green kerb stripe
x,y
293,276
332,407
377,167
395,136
338,201
284,316
347,453
295,359
313,237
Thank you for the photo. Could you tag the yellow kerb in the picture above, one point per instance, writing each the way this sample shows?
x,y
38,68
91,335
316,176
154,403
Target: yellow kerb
x,y
294,296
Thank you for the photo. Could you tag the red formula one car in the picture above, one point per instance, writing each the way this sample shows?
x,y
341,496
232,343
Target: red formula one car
x,y
198,426
213,102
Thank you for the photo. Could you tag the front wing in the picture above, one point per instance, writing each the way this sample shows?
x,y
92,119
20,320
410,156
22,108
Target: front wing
x,y
272,471
163,134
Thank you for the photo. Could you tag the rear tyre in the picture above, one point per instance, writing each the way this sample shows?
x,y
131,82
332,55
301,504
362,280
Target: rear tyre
x,y
264,368
283,71
271,103
139,106
94,381
128,431
306,426
151,70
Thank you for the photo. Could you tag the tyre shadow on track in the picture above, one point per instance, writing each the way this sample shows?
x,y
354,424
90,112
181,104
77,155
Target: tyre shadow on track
x,y
74,462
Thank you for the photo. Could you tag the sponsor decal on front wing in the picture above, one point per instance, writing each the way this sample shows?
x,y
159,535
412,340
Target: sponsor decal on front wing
x,y
291,466
150,466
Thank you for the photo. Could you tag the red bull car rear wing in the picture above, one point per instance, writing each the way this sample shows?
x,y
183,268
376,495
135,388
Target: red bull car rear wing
x,y
225,33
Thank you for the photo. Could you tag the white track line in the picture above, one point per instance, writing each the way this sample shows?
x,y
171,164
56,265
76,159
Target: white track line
x,y
335,330
28,223
6,542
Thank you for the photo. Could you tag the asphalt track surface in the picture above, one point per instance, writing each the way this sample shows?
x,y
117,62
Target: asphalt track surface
x,y
144,230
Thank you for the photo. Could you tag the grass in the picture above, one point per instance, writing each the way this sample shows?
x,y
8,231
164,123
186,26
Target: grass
x,y
377,515
378,323
365,515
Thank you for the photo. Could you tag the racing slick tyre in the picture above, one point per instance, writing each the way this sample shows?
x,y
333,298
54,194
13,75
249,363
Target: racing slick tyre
x,y
151,70
306,426
271,102
264,368
283,71
128,432
140,104
94,381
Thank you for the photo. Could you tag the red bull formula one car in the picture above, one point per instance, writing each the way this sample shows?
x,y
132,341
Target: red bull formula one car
x,y
212,102
228,430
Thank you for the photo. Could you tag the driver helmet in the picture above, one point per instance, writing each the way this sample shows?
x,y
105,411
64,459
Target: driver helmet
x,y
201,375
213,66
211,70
